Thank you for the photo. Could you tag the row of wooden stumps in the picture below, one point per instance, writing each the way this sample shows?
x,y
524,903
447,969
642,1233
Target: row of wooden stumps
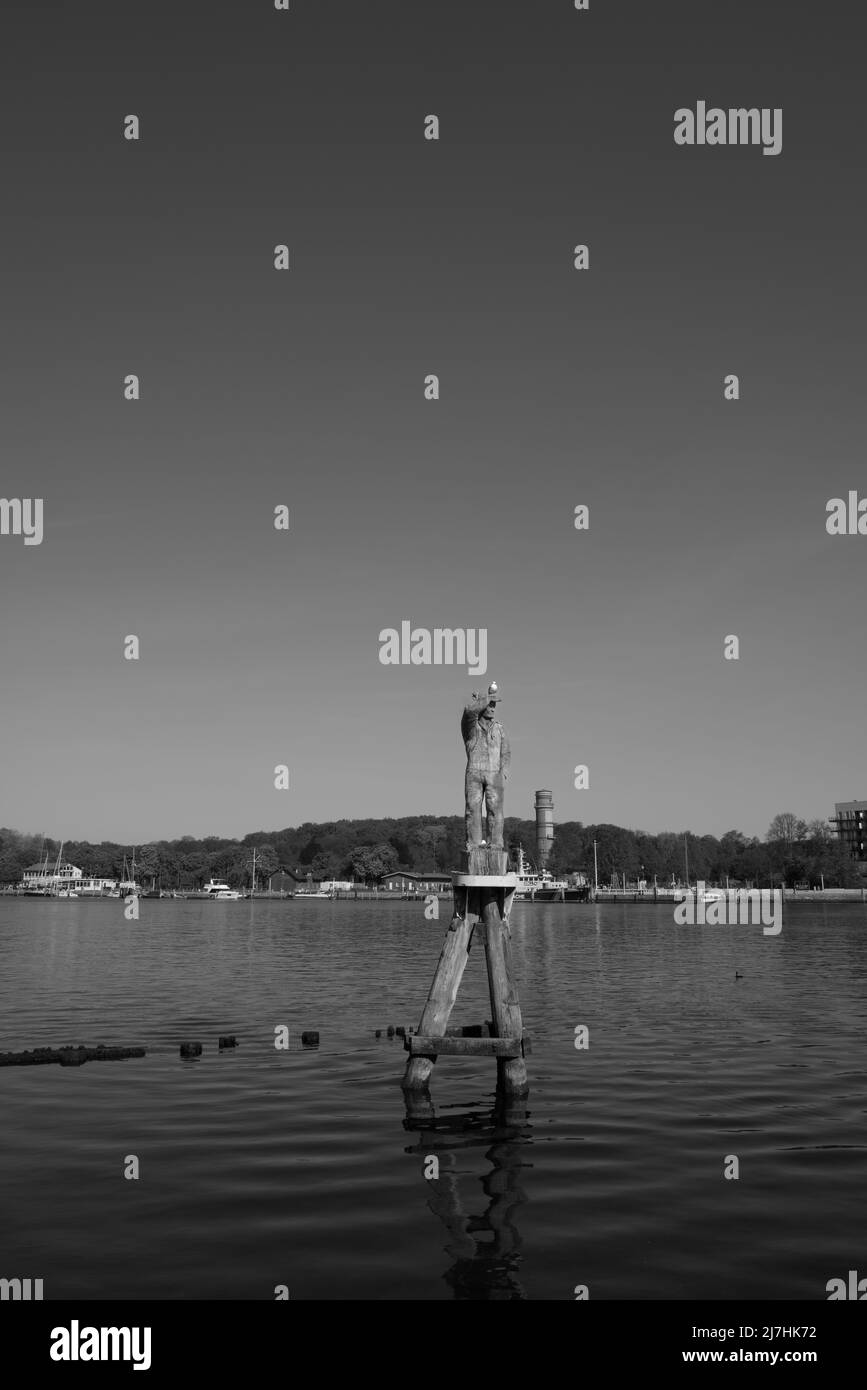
x,y
483,896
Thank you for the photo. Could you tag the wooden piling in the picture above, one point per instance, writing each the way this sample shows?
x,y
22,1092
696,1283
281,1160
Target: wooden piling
x,y
440,1002
505,1007
483,894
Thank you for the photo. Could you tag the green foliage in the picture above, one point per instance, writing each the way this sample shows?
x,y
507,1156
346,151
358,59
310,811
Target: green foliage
x,y
369,861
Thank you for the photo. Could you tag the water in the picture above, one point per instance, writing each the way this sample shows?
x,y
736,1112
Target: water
x,y
262,1167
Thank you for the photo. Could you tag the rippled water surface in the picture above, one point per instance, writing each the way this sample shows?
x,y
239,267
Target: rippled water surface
x,y
262,1167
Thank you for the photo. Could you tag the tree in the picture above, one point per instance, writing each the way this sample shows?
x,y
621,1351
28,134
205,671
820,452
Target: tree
x,y
267,862
820,832
369,862
147,862
568,851
196,868
786,828
325,866
11,868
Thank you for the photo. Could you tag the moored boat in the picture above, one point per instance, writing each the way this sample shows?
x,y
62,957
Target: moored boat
x,y
220,892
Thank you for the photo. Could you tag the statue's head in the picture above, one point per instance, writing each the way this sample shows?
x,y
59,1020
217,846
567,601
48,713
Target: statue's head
x,y
490,710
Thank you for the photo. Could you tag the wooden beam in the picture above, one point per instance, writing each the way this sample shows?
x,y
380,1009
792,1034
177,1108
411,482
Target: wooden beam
x,y
485,881
440,1001
419,1044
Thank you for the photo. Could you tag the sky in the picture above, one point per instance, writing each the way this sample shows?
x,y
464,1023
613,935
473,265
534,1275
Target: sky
x,y
306,388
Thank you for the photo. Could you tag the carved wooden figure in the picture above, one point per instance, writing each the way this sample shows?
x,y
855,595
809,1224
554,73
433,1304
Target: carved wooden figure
x,y
483,894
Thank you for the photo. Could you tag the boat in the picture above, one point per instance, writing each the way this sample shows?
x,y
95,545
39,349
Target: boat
x,y
528,881
219,891
551,889
60,880
311,893
128,888
541,886
42,889
709,895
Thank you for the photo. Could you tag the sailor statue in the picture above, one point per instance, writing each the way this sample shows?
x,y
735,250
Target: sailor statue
x,y
488,758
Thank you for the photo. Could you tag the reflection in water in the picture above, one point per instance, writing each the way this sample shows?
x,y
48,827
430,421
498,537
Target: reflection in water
x,y
486,1248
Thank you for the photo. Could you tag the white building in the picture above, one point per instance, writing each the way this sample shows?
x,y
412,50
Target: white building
x,y
45,877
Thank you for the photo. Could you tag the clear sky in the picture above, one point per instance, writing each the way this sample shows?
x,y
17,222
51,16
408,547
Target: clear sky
x,y
306,387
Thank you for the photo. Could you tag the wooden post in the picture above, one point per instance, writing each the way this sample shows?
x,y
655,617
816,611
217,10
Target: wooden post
x,y
443,992
483,894
505,1008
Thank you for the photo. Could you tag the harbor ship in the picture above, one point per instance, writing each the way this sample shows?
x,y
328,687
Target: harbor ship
x,y
543,887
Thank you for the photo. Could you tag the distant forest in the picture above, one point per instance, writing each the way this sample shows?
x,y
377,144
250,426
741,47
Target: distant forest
x,y
793,851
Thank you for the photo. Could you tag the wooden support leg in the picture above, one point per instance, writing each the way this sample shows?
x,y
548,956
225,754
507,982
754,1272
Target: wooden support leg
x,y
440,1001
505,1007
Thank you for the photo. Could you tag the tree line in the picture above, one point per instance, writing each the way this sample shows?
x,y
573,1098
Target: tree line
x,y
793,851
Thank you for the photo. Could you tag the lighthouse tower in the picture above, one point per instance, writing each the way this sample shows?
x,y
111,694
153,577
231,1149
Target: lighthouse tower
x,y
544,826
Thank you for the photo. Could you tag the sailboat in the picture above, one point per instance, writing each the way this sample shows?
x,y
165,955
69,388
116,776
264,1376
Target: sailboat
x,y
58,890
128,888
699,892
41,889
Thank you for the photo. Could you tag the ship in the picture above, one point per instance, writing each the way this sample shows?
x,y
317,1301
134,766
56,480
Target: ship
x,y
544,887
220,892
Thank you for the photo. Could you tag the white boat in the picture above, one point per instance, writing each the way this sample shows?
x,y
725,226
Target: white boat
x,y
528,879
311,893
709,895
220,891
